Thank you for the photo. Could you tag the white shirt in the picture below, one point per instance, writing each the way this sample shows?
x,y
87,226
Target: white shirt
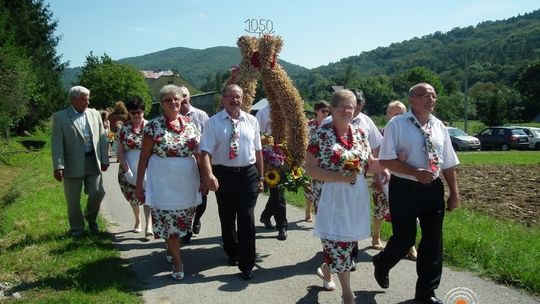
x,y
263,116
197,117
82,121
217,135
400,135
363,121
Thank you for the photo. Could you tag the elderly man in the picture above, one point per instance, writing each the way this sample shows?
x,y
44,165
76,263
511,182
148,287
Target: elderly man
x,y
416,190
232,166
80,154
198,118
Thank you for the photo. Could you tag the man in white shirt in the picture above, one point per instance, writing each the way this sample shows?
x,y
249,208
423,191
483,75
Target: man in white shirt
x,y
198,118
232,166
276,205
416,190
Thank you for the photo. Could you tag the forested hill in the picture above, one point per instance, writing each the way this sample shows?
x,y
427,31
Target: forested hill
x,y
493,51
196,65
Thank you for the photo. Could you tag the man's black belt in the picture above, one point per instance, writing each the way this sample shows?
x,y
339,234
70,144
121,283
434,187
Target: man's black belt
x,y
232,169
412,182
89,153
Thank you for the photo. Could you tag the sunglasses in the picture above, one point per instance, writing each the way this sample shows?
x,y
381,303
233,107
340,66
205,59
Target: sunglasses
x,y
135,112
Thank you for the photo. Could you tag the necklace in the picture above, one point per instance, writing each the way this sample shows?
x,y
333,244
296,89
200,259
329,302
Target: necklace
x,y
346,140
176,128
138,130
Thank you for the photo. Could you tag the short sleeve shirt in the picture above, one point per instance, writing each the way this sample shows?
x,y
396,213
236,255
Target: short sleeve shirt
x,y
130,139
170,142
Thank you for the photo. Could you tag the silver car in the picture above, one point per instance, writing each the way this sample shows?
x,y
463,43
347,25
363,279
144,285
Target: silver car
x,y
463,141
534,137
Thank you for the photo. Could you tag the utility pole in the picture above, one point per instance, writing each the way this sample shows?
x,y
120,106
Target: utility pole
x,y
466,89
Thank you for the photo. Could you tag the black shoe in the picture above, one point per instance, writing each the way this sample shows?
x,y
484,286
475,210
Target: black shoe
x,y
428,300
267,223
94,228
186,239
247,275
233,261
381,274
197,227
282,234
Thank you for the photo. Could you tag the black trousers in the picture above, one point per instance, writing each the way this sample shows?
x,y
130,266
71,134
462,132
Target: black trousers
x,y
236,198
201,208
277,207
410,200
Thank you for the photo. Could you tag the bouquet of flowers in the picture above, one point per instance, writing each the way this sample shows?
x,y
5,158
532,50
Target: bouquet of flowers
x,y
351,166
278,169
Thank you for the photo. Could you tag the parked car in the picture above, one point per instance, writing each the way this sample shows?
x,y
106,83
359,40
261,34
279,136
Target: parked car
x,y
504,138
462,140
534,137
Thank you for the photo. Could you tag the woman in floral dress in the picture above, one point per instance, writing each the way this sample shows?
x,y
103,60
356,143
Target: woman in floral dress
x,y
169,152
314,190
338,155
129,149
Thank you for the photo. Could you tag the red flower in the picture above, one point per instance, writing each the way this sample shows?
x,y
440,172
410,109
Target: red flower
x,y
342,245
313,149
335,158
192,144
255,60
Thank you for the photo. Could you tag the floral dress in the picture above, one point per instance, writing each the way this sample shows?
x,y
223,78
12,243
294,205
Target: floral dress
x,y
343,214
132,142
313,192
172,188
380,199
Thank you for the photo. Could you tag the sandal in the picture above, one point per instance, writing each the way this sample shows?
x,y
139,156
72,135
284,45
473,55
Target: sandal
x,y
376,245
328,285
177,275
411,255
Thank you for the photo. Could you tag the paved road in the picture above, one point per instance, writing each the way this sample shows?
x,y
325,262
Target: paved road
x,y
284,272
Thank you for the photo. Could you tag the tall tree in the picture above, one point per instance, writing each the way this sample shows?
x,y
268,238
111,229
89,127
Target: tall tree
x,y
29,27
109,82
528,85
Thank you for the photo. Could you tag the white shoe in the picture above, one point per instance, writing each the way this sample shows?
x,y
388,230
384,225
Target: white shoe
x,y
328,285
177,275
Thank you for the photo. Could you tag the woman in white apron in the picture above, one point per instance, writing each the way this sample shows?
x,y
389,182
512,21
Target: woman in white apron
x,y
129,149
338,155
169,152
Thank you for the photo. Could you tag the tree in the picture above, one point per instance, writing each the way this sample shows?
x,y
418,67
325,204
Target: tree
x,y
528,85
28,26
17,83
494,102
378,93
109,82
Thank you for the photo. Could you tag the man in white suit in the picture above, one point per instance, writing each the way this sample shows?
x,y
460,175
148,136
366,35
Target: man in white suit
x,y
80,154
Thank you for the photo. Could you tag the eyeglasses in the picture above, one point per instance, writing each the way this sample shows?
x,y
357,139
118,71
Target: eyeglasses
x,y
135,112
233,97
427,96
171,99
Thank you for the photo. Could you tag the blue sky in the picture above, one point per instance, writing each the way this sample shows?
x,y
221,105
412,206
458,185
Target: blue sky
x,y
314,32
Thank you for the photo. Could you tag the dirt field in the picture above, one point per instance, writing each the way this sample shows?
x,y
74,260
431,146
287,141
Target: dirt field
x,y
509,192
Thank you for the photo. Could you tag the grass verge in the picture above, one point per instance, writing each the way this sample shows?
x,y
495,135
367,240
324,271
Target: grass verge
x,y
45,264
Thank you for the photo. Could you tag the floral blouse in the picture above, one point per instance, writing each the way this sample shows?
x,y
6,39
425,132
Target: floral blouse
x,y
333,155
130,139
171,142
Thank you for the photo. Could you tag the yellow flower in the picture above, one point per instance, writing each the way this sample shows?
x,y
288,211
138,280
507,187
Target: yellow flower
x,y
297,172
272,178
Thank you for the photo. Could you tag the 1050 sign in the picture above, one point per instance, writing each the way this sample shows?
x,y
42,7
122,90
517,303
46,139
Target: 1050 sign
x,y
259,26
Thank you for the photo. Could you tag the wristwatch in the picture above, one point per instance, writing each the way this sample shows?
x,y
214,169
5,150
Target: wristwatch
x,y
261,178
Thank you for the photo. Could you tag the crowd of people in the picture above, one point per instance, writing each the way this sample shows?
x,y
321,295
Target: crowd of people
x,y
169,164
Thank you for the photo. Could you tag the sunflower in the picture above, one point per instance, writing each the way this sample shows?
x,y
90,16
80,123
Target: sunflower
x,y
271,178
297,172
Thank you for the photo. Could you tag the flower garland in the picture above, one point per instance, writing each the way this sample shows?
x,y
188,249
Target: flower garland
x,y
171,126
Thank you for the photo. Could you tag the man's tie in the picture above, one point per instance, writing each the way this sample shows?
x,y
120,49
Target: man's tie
x,y
235,136
433,158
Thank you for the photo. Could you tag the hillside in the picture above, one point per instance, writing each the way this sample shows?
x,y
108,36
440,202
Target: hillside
x,y
493,50
192,64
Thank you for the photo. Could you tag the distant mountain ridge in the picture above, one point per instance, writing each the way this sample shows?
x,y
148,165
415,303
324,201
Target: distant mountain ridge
x,y
494,51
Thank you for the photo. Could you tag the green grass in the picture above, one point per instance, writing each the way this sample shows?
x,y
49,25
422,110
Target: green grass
x,y
44,263
512,157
